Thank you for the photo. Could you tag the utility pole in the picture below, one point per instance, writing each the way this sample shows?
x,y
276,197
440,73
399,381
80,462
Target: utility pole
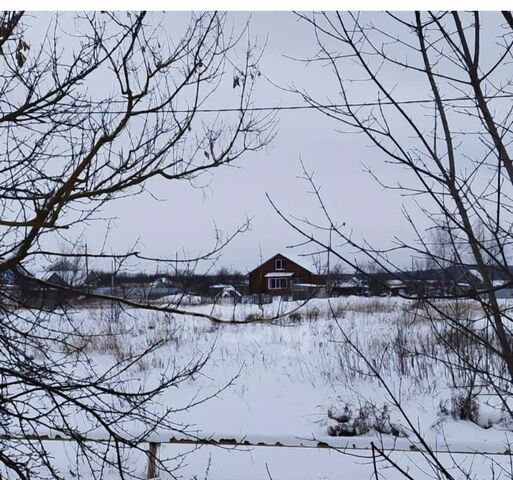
x,y
328,264
87,269
113,264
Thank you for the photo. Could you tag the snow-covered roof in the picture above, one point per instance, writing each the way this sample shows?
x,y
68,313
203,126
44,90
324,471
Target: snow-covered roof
x,y
352,283
226,290
476,274
278,274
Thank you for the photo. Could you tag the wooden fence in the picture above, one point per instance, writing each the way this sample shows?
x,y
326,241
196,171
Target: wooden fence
x,y
351,443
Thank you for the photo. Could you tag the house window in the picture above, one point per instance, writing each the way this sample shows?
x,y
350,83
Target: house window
x,y
279,264
277,283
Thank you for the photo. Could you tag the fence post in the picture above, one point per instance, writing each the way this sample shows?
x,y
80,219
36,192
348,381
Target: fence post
x,y
152,460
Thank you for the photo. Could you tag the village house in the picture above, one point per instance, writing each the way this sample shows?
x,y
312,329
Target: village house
x,y
224,294
16,285
348,285
279,275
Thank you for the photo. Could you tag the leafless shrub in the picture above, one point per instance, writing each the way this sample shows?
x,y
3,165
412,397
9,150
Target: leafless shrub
x,y
295,317
369,418
461,406
252,317
312,312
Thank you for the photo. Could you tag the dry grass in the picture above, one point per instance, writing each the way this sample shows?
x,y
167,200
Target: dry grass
x,y
399,339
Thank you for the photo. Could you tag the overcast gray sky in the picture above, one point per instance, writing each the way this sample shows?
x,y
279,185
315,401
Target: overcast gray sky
x,y
184,218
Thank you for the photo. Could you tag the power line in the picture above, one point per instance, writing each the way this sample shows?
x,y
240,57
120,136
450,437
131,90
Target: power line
x,y
339,105
277,108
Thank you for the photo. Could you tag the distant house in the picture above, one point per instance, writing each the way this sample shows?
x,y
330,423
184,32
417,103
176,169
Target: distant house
x,y
8,278
55,279
54,292
93,279
16,285
396,287
351,285
502,282
222,293
503,289
277,276
161,282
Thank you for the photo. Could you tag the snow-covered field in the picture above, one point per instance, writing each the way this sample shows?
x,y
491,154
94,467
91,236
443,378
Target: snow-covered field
x,y
277,381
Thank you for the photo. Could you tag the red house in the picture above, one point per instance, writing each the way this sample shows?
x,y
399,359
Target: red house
x,y
277,275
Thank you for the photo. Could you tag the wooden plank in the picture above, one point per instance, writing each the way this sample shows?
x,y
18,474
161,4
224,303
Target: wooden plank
x,y
153,452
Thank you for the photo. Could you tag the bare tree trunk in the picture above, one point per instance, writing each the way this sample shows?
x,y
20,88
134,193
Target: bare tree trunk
x,y
461,187
94,110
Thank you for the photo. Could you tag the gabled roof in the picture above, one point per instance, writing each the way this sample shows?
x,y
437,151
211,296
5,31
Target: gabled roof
x,y
281,256
352,282
55,279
